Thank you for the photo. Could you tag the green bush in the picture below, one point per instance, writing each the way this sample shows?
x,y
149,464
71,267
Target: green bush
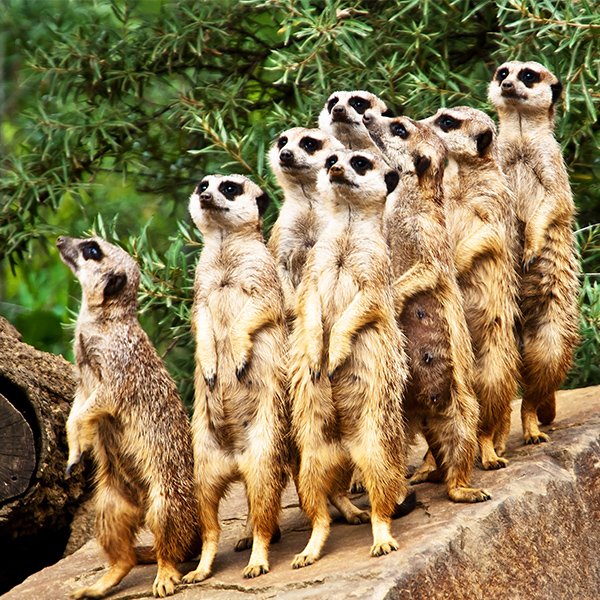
x,y
115,109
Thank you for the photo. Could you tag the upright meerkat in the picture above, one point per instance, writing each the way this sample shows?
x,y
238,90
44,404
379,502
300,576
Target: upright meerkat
x,y
296,159
442,404
345,333
240,423
128,414
481,224
525,94
342,115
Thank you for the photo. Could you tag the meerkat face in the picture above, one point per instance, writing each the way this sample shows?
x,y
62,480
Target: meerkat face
x,y
356,177
524,87
465,132
106,273
410,146
342,116
230,202
299,154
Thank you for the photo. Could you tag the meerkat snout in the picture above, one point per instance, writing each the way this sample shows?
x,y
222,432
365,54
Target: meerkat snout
x,y
286,156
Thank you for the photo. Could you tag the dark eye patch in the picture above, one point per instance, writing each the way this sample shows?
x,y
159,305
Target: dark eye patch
x,y
310,144
399,130
360,105
231,189
501,74
529,77
202,187
332,102
91,250
361,164
447,123
331,161
281,142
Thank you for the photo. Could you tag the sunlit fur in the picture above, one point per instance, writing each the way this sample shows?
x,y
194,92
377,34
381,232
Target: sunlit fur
x,y
548,272
128,414
346,124
481,222
348,367
441,403
240,423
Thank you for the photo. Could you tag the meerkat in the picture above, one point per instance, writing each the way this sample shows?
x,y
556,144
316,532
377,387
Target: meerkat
x,y
342,114
441,403
480,221
296,159
343,415
128,414
525,95
240,424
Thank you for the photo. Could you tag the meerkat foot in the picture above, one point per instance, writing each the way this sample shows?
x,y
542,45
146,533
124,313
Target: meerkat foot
x,y
87,592
536,438
196,576
357,487
470,495
381,548
495,463
303,560
166,580
252,571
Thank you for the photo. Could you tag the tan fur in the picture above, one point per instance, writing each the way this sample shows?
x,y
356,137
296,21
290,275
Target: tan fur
x,y
128,414
524,95
296,159
342,114
343,415
429,305
240,420
481,224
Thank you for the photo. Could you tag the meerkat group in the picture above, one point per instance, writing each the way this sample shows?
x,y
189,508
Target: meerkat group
x,y
417,274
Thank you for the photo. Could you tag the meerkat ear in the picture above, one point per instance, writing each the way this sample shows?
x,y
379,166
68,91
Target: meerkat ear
x,y
484,140
422,163
387,113
263,203
391,180
557,89
116,282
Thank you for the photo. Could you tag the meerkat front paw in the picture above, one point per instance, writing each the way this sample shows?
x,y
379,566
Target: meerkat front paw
x,y
252,571
166,580
536,438
381,548
470,495
196,576
339,349
303,560
75,458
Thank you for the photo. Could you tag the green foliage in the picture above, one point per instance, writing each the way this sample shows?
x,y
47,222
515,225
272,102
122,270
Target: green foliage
x,y
117,108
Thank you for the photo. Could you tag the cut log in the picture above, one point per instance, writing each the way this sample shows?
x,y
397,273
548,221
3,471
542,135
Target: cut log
x,y
17,452
37,501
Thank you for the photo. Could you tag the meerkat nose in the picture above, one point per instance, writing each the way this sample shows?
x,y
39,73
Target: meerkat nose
x,y
336,170
286,156
205,196
507,85
338,110
60,240
367,118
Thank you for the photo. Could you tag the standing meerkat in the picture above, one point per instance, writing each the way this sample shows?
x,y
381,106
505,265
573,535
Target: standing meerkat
x,y
342,115
442,404
128,414
525,94
240,423
296,159
345,333
480,221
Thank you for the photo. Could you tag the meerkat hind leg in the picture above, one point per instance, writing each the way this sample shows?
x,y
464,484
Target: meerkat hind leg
x,y
339,498
489,459
428,471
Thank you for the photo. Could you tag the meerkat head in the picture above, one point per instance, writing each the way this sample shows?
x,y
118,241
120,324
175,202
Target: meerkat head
x,y
299,154
108,276
524,87
342,117
356,178
409,146
227,202
467,133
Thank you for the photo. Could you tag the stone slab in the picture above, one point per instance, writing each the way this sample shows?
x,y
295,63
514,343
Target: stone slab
x,y
539,537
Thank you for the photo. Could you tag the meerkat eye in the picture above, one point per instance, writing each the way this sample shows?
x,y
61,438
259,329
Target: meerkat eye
x,y
330,162
91,250
399,130
332,103
231,189
311,145
359,104
361,164
281,142
447,123
501,74
529,77
202,187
